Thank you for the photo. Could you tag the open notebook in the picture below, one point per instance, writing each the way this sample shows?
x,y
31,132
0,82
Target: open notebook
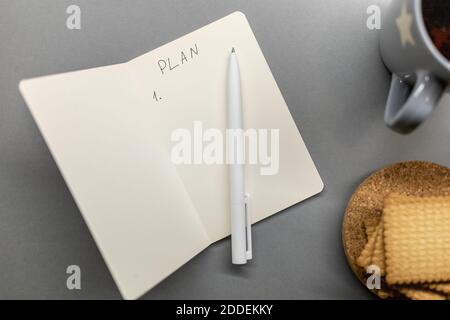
x,y
109,130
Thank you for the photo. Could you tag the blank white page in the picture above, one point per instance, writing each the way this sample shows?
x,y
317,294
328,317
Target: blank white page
x,y
129,194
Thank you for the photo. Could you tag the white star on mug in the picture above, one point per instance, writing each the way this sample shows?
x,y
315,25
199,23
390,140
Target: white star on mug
x,y
404,23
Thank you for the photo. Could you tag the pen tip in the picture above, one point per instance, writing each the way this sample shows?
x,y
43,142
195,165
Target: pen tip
x,y
232,50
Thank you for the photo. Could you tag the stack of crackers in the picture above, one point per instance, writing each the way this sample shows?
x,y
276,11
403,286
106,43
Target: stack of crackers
x,y
410,246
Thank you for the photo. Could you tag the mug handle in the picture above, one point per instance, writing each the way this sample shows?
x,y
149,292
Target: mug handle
x,y
407,107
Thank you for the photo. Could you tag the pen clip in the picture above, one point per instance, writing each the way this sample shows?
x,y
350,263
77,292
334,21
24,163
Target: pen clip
x,y
248,228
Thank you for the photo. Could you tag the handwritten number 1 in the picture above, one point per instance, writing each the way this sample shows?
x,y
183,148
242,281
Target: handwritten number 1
x,y
155,96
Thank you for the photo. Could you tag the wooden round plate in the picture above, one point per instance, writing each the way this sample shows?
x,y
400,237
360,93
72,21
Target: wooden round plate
x,y
415,178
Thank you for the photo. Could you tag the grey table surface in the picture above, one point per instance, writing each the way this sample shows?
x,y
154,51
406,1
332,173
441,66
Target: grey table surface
x,y
327,64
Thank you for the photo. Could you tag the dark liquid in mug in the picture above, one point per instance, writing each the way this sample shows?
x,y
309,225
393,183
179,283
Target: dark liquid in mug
x,y
436,14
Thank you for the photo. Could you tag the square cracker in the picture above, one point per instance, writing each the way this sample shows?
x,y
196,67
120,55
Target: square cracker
x,y
365,257
421,294
417,239
378,256
440,287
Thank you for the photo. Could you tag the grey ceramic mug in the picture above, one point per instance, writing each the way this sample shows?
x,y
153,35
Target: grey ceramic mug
x,y
417,57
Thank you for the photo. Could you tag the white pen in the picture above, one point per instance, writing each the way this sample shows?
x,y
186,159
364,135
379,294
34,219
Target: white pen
x,y
241,245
